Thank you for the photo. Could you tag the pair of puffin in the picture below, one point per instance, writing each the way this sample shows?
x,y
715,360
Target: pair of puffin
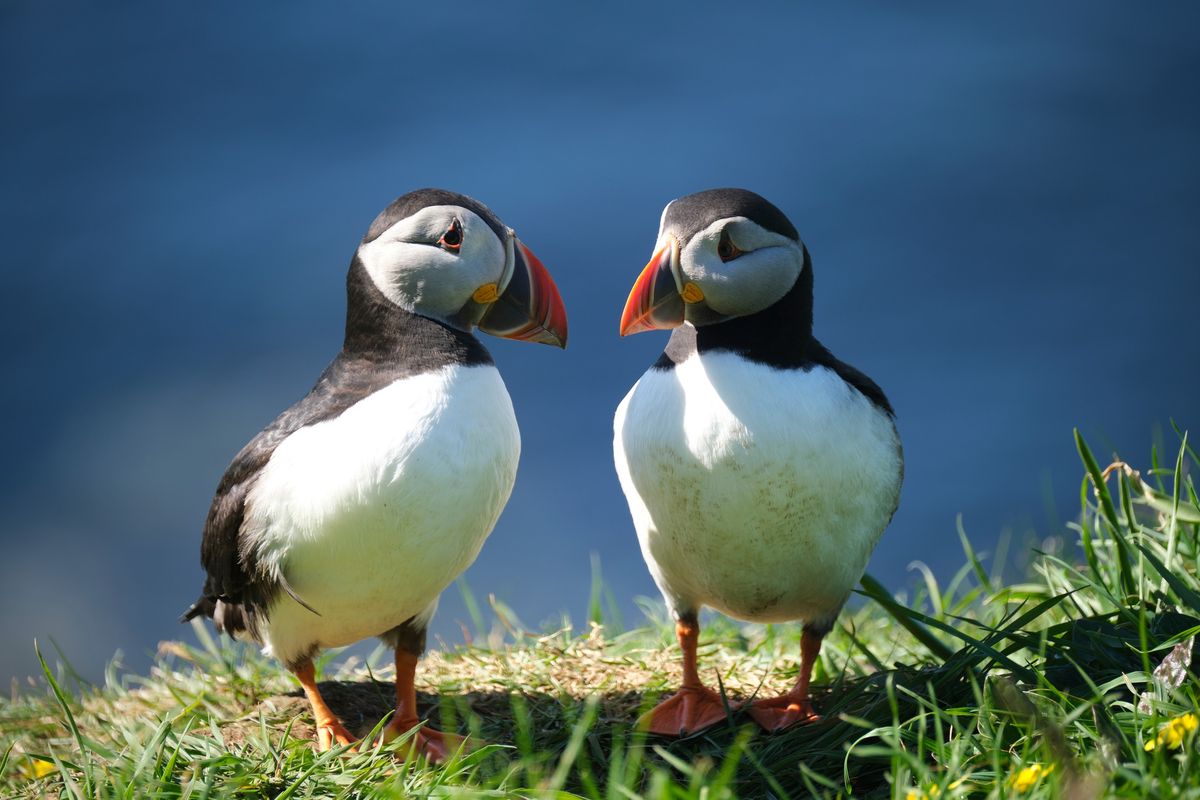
x,y
759,470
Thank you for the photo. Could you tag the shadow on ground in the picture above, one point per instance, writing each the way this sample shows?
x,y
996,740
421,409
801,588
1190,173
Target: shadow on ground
x,y
766,762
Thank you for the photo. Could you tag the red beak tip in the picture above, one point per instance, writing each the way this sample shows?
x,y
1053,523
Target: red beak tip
x,y
632,323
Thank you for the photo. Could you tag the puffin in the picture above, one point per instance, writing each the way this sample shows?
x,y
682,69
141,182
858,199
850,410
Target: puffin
x,y
347,516
760,471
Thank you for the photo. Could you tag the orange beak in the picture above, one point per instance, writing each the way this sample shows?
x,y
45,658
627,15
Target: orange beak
x,y
530,309
655,302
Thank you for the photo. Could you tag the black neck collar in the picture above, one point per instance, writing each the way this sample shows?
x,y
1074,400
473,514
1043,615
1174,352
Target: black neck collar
x,y
377,330
779,336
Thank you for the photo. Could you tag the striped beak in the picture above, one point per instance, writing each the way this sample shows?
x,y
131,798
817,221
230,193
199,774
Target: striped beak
x,y
529,308
655,302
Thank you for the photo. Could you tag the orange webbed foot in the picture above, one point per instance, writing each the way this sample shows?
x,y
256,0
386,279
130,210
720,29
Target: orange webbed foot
x,y
776,713
433,745
689,710
333,734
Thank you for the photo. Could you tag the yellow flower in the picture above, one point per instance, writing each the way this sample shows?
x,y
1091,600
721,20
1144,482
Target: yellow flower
x,y
1028,777
933,791
37,768
1174,732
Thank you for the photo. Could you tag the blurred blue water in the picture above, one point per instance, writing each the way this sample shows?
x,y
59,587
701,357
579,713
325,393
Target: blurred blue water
x,y
1001,206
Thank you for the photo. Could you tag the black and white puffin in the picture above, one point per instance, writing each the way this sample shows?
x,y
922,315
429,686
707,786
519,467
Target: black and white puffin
x,y
760,471
348,515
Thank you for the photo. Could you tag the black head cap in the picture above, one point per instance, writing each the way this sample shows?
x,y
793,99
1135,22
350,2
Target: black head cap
x,y
689,215
409,204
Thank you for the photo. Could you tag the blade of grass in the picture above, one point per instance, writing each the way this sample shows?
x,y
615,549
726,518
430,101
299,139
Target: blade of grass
x,y
84,756
980,573
1109,511
1101,488
905,616
1085,536
1173,525
574,744
1189,597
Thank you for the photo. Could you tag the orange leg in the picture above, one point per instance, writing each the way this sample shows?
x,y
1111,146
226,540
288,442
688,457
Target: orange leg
x,y
434,745
694,707
777,713
330,730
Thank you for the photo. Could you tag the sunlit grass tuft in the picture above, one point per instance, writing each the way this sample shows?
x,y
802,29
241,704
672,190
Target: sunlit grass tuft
x,y
1079,681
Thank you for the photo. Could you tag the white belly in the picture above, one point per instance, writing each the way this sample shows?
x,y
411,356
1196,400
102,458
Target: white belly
x,y
756,491
370,515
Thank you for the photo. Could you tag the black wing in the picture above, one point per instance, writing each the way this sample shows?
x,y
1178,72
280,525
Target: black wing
x,y
235,589
819,354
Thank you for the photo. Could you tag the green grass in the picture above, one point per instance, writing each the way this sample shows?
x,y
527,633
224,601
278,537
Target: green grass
x,y
978,687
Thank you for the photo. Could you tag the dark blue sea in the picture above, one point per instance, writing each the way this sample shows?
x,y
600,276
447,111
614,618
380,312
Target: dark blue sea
x,y
1002,204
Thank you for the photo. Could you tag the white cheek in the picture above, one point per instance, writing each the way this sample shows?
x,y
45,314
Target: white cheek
x,y
428,280
413,276
378,257
763,280
749,283
699,262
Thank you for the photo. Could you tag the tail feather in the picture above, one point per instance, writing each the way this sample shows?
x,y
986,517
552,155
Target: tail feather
x,y
228,617
205,606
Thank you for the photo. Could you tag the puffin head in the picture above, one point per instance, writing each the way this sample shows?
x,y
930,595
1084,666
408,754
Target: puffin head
x,y
447,257
720,254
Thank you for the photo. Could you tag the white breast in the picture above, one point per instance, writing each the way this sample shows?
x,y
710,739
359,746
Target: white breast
x,y
372,514
757,491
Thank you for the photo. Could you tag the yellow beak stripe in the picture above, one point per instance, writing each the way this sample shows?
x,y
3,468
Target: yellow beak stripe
x,y
486,294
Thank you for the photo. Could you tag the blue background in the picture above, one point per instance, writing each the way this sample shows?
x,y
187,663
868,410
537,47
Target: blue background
x,y
1001,205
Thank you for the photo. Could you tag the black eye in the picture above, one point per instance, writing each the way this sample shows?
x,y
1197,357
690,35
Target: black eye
x,y
726,249
452,238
